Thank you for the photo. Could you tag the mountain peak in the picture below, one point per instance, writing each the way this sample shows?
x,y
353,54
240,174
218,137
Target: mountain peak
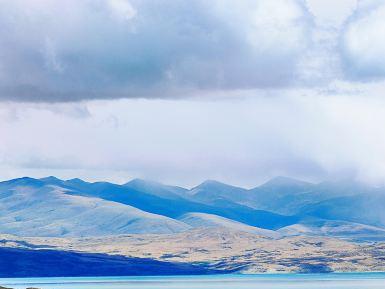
x,y
280,181
212,183
142,182
76,181
211,190
50,179
25,181
155,188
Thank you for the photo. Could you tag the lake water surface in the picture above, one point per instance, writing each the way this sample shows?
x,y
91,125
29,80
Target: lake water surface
x,y
270,281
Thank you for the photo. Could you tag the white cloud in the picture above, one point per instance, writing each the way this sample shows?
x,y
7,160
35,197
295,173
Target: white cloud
x,y
330,12
121,9
302,134
269,25
363,42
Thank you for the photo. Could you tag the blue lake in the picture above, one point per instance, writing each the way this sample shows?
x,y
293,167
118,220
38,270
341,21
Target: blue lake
x,y
284,281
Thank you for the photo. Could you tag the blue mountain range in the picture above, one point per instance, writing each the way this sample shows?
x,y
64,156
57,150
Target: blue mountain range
x,y
282,206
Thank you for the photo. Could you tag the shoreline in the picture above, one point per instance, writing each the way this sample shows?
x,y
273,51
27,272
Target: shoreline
x,y
200,281
204,276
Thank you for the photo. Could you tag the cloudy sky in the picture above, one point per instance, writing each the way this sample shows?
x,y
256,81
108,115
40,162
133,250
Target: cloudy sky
x,y
182,91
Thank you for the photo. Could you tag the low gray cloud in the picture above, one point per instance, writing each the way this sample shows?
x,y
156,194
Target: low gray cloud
x,y
61,51
72,50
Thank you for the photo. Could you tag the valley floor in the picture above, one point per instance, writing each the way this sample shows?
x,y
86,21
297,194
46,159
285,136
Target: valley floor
x,y
198,251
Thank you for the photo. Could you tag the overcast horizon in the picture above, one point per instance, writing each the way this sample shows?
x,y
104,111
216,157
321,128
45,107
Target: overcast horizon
x,y
183,91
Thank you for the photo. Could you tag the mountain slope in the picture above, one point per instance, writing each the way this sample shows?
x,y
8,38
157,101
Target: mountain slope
x,y
210,191
75,207
362,208
201,220
175,208
338,229
156,189
279,195
289,196
31,208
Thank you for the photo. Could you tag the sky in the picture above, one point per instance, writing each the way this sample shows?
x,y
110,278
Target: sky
x,y
184,91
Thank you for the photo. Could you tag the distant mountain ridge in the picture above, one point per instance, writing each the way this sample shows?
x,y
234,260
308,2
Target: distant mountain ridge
x,y
54,207
31,208
157,189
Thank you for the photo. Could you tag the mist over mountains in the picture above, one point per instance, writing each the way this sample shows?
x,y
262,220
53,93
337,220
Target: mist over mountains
x,y
51,207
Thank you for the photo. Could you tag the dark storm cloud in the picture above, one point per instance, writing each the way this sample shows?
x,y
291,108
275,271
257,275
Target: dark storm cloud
x,y
57,51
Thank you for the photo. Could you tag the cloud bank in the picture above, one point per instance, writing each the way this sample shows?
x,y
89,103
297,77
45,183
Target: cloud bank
x,y
57,51
72,50
363,42
184,142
